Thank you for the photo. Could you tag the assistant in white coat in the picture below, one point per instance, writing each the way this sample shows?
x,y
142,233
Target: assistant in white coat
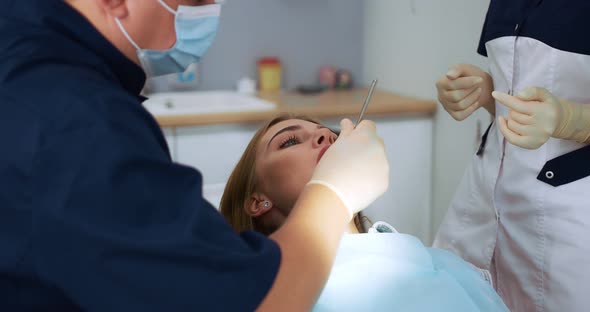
x,y
524,214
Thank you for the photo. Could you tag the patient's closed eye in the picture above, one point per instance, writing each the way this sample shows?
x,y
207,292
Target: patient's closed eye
x,y
290,141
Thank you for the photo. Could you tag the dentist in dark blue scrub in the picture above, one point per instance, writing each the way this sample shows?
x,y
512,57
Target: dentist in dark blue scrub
x,y
94,215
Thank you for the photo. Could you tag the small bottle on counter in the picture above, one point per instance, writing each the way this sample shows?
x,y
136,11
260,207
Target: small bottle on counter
x,y
269,74
246,86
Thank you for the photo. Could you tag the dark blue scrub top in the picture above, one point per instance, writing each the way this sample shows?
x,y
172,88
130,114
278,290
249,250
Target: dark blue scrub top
x,y
562,25
93,213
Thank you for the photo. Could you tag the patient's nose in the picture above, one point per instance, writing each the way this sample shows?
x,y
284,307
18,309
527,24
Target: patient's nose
x,y
332,137
323,137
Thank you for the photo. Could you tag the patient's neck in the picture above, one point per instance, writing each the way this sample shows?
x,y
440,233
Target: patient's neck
x,y
352,228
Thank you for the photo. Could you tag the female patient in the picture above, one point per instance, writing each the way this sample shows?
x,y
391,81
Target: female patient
x,y
381,270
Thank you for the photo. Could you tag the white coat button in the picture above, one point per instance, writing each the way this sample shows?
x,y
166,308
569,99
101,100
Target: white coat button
x,y
549,175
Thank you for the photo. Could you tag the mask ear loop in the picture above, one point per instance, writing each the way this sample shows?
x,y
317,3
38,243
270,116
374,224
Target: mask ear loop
x,y
127,34
167,7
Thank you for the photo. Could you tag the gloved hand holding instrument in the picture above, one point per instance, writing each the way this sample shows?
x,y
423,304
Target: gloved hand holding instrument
x,y
355,167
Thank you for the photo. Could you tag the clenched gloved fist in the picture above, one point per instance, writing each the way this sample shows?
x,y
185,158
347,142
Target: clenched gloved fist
x,y
464,89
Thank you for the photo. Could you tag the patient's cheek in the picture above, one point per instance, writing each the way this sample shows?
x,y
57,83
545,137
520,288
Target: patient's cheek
x,y
287,175
289,185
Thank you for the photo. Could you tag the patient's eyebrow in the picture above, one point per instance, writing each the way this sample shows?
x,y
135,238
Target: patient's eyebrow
x,y
296,127
289,128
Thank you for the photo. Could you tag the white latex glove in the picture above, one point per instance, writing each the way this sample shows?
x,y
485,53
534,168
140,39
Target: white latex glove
x,y
530,123
536,115
355,166
464,89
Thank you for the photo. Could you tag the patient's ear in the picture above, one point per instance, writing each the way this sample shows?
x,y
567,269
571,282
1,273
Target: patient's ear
x,y
257,205
115,8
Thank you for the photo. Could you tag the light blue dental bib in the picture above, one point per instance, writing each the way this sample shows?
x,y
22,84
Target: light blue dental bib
x,y
395,272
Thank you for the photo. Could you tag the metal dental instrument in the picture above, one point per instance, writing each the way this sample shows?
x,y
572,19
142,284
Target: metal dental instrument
x,y
367,100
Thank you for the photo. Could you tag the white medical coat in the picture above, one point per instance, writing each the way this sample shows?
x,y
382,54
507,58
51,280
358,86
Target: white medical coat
x,y
509,216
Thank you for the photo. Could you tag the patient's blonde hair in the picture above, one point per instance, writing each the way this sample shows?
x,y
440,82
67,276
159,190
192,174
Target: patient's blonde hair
x,y
242,183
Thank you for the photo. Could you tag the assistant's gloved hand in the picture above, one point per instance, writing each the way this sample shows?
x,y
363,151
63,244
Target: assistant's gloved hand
x,y
464,89
536,115
355,166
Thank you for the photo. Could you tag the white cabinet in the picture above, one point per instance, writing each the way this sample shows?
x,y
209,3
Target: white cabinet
x,y
216,149
213,149
407,204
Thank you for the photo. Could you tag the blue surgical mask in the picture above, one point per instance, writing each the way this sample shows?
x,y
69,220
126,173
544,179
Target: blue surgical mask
x,y
195,27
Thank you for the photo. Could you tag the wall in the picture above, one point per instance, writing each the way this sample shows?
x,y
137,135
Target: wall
x,y
305,34
408,45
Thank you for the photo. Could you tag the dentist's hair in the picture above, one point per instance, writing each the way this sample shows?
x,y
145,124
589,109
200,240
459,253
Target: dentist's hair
x,y
242,184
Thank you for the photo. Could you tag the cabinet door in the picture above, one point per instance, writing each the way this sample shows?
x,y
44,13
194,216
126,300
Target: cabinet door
x,y
213,150
407,204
